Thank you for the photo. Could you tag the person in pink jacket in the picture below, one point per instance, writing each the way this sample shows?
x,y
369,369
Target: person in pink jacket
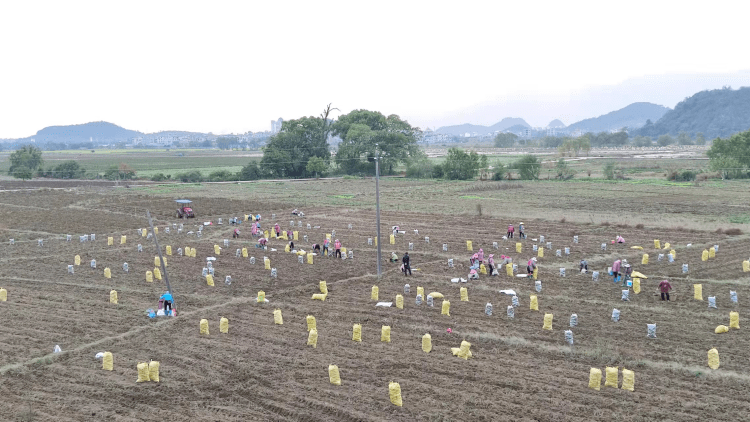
x,y
254,230
510,231
616,269
491,263
531,266
277,229
481,255
337,248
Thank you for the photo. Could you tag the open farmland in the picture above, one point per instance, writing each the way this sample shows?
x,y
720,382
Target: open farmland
x,y
264,371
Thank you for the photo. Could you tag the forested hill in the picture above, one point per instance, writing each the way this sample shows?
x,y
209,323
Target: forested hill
x,y
633,116
717,113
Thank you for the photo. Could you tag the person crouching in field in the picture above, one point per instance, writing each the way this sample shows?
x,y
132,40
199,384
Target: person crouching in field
x,y
316,248
277,229
531,266
583,266
394,257
262,242
236,233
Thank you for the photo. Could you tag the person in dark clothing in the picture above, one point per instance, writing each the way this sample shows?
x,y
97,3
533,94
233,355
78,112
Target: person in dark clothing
x,y
405,260
316,248
665,287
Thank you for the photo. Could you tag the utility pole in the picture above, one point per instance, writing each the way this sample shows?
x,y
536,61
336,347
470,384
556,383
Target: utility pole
x,y
161,258
377,205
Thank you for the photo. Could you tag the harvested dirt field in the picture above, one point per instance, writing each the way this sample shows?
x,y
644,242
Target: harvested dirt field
x,y
263,371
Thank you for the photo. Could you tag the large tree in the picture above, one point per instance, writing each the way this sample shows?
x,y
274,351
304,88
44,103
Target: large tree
x,y
731,157
505,140
365,134
461,165
288,152
24,161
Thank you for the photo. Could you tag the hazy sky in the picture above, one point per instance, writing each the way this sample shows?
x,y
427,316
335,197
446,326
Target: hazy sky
x,y
233,66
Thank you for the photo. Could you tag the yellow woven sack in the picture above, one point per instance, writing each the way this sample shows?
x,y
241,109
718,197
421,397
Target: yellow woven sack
x,y
385,334
295,235
704,256
644,260
343,251
394,391
149,277
77,260
519,246
713,359
734,320
312,339
277,318
374,293
224,325
107,273
267,262
533,303
509,270
636,285
698,291
287,248
547,322
482,269
209,280
436,295
333,374
113,296
217,250
712,252
143,375
311,323
375,241
261,297
144,232
3,295
393,240
745,266
328,236
357,332
273,234
265,234
110,241
445,309
657,244
721,329
595,378
611,377
309,258
319,296
153,371
323,287
426,343
469,246
420,291
244,252
107,361
399,301
464,294
674,254
156,230
204,327
536,273
157,263
628,379
463,351
169,250
540,252
667,245
157,273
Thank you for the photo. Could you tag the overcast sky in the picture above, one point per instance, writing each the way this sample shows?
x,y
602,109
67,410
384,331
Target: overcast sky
x,y
234,66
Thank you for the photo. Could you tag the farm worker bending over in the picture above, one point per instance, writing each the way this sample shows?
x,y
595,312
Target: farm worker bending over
x,y
291,245
395,230
620,239
491,263
584,266
394,257
405,260
665,287
295,212
257,218
531,266
167,298
616,269
236,233
628,270
510,231
325,246
521,234
254,230
480,255
337,248
316,248
473,275
262,242
277,229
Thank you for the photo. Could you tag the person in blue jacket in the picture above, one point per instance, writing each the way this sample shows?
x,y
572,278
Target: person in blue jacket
x,y
167,298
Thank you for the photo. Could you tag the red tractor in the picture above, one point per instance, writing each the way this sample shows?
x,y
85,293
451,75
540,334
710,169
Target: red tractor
x,y
184,211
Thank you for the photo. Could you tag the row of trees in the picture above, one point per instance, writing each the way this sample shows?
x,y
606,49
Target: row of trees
x,y
585,142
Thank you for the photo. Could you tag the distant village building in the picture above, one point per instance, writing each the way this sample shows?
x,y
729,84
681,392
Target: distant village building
x,y
276,125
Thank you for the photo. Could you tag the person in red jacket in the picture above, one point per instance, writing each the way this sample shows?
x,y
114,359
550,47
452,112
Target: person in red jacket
x,y
665,287
510,231
337,248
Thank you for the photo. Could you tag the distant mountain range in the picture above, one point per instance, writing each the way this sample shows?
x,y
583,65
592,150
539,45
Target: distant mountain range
x,y
633,116
97,132
556,124
460,130
715,113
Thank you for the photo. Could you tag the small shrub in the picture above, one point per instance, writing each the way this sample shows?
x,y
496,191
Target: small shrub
x,y
609,171
732,232
639,226
562,220
158,177
190,177
604,223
